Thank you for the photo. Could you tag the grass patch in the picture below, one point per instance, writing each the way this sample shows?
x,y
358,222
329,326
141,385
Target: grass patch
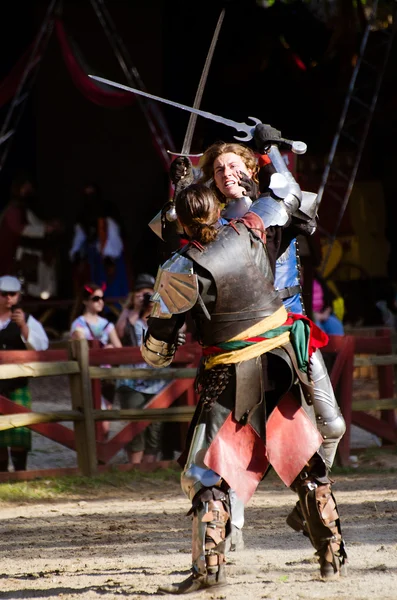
x,y
72,487
117,483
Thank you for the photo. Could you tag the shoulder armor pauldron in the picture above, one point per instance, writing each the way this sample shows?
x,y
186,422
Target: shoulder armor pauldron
x,y
176,287
270,210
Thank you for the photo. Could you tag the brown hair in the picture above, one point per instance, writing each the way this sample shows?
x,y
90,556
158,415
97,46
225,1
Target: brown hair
x,y
198,210
219,148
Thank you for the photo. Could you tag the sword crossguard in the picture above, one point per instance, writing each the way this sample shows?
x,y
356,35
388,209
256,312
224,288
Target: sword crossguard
x,y
187,155
248,129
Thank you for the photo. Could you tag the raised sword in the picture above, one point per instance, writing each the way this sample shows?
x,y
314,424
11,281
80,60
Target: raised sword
x,y
248,129
296,147
187,142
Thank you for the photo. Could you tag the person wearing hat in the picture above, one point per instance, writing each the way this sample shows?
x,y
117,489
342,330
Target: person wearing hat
x,y
136,393
18,331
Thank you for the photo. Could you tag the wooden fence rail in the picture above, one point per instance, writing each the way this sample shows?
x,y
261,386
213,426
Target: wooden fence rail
x,y
82,366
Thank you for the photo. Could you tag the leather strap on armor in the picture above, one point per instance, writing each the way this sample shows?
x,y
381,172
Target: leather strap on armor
x,y
288,292
216,519
246,316
210,527
211,524
322,524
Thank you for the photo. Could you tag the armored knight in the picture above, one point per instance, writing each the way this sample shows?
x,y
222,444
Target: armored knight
x,y
287,212
295,211
224,277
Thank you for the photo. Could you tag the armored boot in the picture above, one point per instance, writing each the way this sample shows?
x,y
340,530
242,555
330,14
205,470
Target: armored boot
x,y
321,521
208,550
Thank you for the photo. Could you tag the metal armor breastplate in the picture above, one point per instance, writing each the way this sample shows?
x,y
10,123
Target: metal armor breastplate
x,y
287,276
242,276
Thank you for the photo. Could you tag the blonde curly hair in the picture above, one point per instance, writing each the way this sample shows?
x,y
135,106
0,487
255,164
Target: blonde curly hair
x,y
216,150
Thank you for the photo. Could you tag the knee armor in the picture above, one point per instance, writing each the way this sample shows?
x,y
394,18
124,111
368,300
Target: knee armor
x,y
196,475
330,421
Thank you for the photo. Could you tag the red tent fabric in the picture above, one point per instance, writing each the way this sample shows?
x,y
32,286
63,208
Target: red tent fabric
x,y
92,90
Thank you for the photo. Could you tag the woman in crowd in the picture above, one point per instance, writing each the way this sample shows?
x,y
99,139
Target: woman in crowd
x,y
91,326
136,393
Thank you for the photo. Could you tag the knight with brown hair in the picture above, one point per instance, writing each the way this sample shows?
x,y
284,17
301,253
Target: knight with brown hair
x,y
247,384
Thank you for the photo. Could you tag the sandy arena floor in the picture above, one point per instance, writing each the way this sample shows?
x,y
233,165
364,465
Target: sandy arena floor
x,y
131,540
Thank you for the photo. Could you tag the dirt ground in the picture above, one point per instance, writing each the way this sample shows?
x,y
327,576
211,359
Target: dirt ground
x,y
136,539
131,540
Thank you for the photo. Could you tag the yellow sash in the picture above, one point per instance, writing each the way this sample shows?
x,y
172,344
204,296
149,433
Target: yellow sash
x,y
235,356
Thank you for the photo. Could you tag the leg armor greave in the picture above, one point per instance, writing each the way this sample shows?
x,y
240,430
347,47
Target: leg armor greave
x,y
330,421
196,475
211,524
322,525
210,527
210,521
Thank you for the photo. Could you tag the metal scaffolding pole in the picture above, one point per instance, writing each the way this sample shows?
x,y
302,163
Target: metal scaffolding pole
x,y
354,122
152,112
19,101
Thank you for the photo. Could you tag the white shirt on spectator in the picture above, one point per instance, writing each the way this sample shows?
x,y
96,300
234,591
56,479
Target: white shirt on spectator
x,y
37,338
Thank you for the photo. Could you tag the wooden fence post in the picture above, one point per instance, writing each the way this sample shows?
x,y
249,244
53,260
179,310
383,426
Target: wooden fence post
x,y
386,380
346,397
96,390
80,387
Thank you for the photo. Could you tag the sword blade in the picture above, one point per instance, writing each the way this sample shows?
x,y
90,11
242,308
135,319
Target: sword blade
x,y
187,142
248,129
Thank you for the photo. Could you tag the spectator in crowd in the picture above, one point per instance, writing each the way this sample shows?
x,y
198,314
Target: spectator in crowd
x,y
18,331
323,311
91,326
28,241
97,251
136,393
